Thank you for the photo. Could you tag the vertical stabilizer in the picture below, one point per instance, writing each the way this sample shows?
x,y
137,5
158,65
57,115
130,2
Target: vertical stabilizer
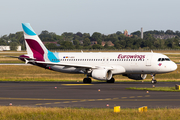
x,y
35,47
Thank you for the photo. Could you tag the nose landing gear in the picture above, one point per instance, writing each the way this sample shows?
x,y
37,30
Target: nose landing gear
x,y
153,79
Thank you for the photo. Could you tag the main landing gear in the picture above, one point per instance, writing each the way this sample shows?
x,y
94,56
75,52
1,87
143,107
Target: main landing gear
x,y
153,79
111,80
87,80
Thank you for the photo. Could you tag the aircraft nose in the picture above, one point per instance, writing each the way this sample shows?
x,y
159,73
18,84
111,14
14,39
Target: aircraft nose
x,y
173,66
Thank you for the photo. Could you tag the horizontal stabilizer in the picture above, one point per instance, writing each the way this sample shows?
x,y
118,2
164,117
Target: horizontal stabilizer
x,y
21,57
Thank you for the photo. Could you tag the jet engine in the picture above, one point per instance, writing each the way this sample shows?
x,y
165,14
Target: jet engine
x,y
136,76
101,74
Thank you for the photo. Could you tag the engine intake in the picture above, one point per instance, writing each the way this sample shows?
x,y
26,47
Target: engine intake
x,y
102,74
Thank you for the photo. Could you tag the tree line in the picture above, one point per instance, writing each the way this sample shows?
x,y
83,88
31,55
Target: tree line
x,y
118,40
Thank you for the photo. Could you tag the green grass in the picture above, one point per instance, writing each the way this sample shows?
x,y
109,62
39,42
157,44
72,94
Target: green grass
x,y
34,73
168,89
42,113
11,61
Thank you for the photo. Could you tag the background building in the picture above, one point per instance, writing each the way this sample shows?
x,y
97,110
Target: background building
x,y
5,48
126,33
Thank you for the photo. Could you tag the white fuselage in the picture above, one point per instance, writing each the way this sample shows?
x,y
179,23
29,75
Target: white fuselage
x,y
119,62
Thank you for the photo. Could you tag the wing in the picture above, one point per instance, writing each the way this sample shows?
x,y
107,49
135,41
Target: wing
x,y
65,64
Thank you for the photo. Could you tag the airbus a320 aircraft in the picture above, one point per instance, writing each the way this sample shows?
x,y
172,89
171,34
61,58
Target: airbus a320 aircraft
x,y
100,66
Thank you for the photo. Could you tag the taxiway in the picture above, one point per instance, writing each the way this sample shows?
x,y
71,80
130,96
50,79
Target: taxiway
x,y
95,95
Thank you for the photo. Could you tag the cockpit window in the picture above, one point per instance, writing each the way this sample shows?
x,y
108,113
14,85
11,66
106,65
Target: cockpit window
x,y
164,59
167,59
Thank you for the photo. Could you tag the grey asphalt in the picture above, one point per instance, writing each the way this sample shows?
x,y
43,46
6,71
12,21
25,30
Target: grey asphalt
x,y
95,95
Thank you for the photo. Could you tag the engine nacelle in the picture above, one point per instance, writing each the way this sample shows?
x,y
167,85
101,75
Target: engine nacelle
x,y
101,74
136,76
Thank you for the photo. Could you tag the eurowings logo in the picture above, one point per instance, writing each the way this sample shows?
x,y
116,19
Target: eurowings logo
x,y
159,64
120,56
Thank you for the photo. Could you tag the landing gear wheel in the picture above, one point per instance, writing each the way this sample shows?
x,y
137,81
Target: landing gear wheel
x,y
153,81
112,80
87,80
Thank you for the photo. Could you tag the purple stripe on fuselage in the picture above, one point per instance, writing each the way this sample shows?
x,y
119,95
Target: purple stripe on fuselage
x,y
37,50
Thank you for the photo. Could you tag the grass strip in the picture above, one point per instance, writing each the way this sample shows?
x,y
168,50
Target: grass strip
x,y
11,62
34,73
167,89
14,79
43,113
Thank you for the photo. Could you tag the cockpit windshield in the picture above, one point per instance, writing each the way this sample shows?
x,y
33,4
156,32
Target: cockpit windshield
x,y
164,59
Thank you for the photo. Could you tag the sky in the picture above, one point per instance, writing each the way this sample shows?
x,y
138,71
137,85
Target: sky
x,y
89,16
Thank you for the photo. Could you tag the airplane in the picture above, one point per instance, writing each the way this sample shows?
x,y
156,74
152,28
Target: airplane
x,y
100,66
